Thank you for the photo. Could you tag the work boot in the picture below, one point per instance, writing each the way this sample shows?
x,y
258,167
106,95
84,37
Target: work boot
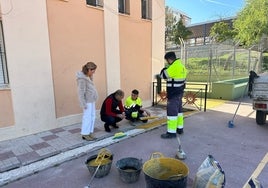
x,y
180,131
168,135
115,126
87,138
106,127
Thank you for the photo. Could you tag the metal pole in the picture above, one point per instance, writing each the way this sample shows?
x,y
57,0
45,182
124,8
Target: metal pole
x,y
210,63
182,47
249,58
234,63
233,72
206,91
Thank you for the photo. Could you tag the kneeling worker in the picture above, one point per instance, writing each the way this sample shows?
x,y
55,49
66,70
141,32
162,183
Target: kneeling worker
x,y
133,107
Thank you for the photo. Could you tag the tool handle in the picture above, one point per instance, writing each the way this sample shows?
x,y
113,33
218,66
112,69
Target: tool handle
x,y
91,179
156,155
148,117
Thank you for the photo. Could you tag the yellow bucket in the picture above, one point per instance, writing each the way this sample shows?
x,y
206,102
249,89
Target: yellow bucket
x,y
162,171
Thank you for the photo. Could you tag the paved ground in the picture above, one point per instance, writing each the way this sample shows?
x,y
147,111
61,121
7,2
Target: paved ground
x,y
59,145
241,151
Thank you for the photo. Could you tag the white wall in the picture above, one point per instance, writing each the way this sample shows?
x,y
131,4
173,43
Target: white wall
x,y
111,26
29,65
158,36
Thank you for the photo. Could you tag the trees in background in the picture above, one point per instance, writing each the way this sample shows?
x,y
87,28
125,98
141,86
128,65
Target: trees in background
x,y
222,31
180,32
175,29
249,28
251,24
170,22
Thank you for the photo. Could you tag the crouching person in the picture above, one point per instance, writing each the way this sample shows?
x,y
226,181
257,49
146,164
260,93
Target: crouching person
x,y
133,107
112,110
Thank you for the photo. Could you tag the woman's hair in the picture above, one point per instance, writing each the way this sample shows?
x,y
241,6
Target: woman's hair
x,y
89,66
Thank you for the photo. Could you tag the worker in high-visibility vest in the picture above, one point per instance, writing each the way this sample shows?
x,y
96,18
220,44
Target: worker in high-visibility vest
x,y
175,75
133,107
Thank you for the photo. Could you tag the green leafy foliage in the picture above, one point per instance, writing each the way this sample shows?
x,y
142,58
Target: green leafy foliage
x,y
222,31
170,22
175,29
180,31
265,61
252,22
249,28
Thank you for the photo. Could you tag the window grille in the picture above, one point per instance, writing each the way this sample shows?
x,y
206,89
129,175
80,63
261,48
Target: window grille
x,y
95,3
146,9
123,6
3,64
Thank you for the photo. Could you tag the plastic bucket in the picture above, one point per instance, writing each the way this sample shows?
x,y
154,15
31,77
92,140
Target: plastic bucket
x,y
104,168
129,169
165,172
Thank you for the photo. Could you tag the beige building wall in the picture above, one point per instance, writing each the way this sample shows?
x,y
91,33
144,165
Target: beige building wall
x,y
46,46
76,33
6,108
135,52
29,67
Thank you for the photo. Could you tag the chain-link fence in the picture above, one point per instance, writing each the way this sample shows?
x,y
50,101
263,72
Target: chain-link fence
x,y
216,62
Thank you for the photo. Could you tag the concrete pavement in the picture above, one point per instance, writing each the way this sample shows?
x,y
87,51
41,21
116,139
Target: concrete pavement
x,y
241,150
29,154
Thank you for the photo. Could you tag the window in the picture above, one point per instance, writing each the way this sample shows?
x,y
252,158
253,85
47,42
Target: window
x,y
3,65
123,6
146,9
95,3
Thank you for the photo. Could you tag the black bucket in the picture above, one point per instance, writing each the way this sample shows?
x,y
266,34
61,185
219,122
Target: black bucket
x,y
104,168
165,172
129,169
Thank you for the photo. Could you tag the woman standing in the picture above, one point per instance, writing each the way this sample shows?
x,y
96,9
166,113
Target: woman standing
x,y
87,95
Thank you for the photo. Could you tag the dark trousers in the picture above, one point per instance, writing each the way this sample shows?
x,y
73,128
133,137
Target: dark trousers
x,y
129,112
174,105
110,120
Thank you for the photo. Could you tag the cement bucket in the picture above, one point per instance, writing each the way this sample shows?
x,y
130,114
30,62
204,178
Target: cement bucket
x,y
165,172
129,169
104,168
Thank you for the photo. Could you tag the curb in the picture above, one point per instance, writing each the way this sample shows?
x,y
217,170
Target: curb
x,y
55,160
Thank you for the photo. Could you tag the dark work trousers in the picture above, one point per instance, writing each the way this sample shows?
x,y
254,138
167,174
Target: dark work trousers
x,y
174,105
129,117
111,120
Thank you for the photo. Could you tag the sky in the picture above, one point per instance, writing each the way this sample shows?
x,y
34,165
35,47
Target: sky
x,y
207,10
